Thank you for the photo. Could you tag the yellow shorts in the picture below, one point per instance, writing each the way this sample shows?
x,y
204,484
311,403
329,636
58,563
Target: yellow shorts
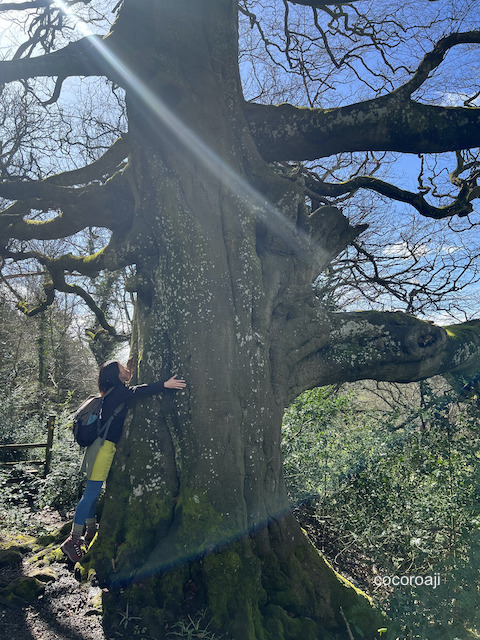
x,y
103,461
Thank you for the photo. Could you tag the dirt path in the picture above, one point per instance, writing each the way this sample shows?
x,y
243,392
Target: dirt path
x,y
52,605
66,610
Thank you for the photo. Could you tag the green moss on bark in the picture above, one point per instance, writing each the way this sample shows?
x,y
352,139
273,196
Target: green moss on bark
x,y
283,625
235,592
200,522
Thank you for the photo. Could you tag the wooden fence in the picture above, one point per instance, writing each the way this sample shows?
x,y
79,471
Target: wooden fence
x,y
34,445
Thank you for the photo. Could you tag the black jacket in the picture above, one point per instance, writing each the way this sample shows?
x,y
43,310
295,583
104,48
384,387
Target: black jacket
x,y
128,395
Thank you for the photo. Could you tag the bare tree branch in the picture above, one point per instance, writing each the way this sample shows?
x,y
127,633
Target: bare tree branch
x,y
434,58
22,6
56,268
384,346
389,123
36,4
392,122
56,92
59,284
109,205
78,58
321,3
104,167
461,206
86,265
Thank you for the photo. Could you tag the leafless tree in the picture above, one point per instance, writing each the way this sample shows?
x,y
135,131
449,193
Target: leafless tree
x,y
228,205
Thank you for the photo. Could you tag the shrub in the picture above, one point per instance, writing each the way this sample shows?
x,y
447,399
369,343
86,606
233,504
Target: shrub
x,y
395,493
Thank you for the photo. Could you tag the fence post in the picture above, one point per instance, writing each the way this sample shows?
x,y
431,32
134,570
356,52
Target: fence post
x,y
48,450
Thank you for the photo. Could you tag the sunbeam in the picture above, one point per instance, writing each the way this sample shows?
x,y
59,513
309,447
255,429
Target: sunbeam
x,y
292,235
170,554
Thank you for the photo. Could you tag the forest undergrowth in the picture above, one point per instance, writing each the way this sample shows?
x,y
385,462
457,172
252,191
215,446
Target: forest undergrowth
x,y
387,484
383,478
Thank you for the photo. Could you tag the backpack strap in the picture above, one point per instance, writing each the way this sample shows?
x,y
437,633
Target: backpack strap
x,y
100,408
106,426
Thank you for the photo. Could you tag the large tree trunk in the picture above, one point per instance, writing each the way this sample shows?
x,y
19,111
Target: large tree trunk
x,y
196,513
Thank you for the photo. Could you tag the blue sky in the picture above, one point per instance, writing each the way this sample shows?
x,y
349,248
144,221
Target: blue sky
x,y
345,87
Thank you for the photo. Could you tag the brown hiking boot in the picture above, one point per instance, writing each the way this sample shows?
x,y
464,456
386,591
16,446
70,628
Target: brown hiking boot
x,y
90,534
72,548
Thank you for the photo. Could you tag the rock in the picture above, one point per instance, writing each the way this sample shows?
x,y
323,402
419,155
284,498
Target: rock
x,y
95,603
55,537
10,557
18,541
22,591
44,574
49,556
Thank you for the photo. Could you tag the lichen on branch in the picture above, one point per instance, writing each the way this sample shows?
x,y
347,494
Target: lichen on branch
x,y
384,346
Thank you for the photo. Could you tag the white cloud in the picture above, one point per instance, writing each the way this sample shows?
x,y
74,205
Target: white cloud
x,y
455,99
449,249
403,250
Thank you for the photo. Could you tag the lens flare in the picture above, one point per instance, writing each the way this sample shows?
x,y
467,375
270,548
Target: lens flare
x,y
292,235
170,554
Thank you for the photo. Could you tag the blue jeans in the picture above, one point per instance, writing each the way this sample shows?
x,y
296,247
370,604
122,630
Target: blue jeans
x,y
87,506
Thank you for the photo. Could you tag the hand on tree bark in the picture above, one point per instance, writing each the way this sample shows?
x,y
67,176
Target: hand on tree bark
x,y
174,383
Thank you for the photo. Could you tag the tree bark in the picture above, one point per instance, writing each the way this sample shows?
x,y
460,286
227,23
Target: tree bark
x,y
390,123
331,348
196,513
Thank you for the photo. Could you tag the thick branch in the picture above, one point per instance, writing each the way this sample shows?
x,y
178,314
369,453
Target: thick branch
x,y
36,4
385,346
80,58
88,266
22,6
104,166
96,171
390,123
109,206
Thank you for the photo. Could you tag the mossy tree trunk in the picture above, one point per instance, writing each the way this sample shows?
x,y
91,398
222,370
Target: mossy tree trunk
x,y
196,506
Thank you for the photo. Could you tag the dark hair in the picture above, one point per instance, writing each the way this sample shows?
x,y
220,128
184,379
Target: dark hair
x,y
108,375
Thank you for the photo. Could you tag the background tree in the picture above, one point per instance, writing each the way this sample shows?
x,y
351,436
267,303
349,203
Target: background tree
x,y
227,240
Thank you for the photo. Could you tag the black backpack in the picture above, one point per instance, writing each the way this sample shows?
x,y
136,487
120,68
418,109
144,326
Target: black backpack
x,y
87,420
